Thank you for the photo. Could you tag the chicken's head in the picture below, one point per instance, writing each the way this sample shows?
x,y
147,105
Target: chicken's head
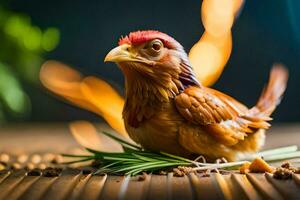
x,y
155,58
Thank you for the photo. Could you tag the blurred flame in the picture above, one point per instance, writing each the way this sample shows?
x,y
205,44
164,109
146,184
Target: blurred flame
x,y
89,93
85,133
210,54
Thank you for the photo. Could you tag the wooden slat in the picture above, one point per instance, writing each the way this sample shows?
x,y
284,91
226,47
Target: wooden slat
x,y
111,188
296,178
181,188
3,175
264,187
157,187
72,185
62,186
205,188
20,189
10,183
79,187
124,187
222,185
93,187
38,188
234,188
246,186
137,188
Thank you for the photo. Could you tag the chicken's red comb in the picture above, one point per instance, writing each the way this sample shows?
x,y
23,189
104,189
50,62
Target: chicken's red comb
x,y
139,37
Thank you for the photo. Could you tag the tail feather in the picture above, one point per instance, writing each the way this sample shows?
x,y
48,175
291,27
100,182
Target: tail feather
x,y
272,93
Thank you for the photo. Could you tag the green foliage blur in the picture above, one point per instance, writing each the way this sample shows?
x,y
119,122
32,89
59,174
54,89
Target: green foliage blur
x,y
22,47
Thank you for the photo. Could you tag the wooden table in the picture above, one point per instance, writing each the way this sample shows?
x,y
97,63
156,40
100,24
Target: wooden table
x,y
75,184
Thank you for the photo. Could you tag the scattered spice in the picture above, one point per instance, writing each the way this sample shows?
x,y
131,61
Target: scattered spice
x,y
285,171
34,172
178,173
51,172
282,173
181,171
142,177
86,171
162,172
286,165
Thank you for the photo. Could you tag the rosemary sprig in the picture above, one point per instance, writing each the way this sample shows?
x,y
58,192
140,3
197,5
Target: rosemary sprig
x,y
135,160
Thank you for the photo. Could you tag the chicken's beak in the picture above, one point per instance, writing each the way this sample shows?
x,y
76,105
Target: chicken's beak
x,y
120,54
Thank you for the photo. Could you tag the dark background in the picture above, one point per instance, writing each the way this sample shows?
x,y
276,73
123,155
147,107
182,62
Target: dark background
x,y
266,32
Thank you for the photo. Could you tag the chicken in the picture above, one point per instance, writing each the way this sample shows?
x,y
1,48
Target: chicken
x,y
168,109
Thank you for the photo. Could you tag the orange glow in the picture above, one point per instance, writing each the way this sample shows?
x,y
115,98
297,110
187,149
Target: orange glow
x,y
85,133
237,5
107,100
217,16
211,53
89,93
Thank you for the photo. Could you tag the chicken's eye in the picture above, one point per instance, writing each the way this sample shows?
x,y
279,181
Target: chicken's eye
x,y
156,45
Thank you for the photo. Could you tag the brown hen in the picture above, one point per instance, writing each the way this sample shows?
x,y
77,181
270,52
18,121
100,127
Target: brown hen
x,y
167,108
